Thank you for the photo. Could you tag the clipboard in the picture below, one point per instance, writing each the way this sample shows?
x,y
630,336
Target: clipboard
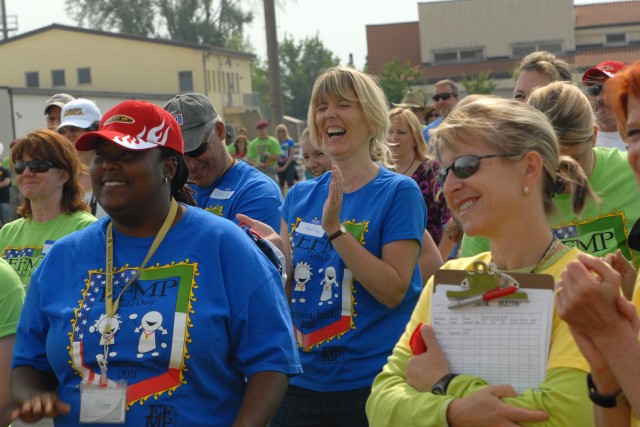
x,y
503,341
524,280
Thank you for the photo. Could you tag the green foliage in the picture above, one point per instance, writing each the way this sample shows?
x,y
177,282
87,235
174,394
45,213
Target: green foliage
x,y
300,64
396,79
212,22
260,84
480,84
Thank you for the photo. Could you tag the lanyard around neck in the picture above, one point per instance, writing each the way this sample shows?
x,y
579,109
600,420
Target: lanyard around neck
x,y
112,306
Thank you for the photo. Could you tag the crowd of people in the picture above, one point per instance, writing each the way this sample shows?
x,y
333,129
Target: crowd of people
x,y
159,270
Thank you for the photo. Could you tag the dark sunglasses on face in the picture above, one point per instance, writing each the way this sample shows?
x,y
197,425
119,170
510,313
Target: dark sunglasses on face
x,y
444,96
35,166
594,90
465,166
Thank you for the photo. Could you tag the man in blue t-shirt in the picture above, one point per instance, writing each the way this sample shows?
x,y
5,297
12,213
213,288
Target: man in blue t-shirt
x,y
223,186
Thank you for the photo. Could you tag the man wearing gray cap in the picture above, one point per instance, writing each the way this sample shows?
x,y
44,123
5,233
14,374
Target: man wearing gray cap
x,y
53,107
223,186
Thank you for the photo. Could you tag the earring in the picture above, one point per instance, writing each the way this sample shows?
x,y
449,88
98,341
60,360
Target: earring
x,y
165,180
526,191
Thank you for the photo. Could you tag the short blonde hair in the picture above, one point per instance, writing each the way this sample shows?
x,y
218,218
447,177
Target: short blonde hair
x,y
354,86
514,128
416,131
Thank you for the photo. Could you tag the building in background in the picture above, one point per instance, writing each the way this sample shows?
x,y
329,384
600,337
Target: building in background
x,y
108,68
463,38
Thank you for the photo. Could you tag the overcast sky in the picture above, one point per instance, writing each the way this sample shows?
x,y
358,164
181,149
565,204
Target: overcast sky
x,y
339,23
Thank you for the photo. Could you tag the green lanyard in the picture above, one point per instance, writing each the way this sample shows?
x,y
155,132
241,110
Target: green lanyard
x,y
111,306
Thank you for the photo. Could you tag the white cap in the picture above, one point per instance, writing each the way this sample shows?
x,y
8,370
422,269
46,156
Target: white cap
x,y
80,113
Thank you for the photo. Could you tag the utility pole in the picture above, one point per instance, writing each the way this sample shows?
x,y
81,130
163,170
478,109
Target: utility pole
x,y
273,61
5,30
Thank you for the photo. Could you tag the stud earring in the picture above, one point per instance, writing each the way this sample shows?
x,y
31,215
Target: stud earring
x,y
165,180
526,191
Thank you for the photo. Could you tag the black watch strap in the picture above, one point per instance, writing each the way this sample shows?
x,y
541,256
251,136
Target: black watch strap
x,y
440,388
340,232
605,401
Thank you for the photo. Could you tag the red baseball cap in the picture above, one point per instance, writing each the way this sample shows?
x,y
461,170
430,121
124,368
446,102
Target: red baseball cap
x,y
262,124
135,125
601,72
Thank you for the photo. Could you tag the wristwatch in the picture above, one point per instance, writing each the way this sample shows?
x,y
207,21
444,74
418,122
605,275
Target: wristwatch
x,y
605,401
338,233
440,388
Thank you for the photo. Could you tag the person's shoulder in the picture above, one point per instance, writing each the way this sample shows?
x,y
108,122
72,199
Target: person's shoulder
x,y
610,154
434,124
253,178
83,217
398,180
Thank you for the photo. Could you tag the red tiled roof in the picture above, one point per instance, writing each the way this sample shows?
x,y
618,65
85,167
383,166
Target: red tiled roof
x,y
607,14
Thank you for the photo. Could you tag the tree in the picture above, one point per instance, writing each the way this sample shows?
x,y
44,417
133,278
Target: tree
x,y
197,21
301,63
396,79
481,84
260,83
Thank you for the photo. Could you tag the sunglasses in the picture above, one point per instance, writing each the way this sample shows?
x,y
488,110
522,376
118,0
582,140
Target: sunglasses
x,y
465,166
202,148
35,166
594,90
444,96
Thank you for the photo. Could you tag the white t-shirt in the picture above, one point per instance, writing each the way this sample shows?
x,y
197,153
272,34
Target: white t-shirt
x,y
610,140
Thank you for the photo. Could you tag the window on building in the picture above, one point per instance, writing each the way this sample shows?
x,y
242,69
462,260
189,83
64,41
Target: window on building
x,y
84,76
616,38
33,79
57,78
472,54
186,81
521,50
445,56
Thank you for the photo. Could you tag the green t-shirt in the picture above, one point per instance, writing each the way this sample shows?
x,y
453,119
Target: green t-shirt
x,y
24,242
264,147
11,299
600,228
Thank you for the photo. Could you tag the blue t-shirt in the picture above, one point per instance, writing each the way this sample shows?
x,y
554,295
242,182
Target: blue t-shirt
x,y
286,146
432,125
243,189
344,334
207,312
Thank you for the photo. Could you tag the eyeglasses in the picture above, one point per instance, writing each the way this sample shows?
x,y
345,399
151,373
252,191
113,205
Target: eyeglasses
x,y
202,147
594,90
69,129
465,166
35,166
444,96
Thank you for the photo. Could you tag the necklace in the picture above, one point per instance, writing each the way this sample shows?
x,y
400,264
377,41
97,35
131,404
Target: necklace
x,y
553,245
412,162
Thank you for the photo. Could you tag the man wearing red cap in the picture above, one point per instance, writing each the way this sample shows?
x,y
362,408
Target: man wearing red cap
x,y
594,79
264,151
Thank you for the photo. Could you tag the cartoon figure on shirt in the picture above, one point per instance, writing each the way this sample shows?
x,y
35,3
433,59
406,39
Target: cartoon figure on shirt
x,y
301,276
329,281
99,327
150,323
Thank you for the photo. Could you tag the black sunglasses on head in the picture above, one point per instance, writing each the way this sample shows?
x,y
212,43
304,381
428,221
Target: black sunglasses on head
x,y
35,166
465,166
594,90
444,96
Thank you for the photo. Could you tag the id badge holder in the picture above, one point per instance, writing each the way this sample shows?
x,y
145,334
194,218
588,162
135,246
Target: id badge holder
x,y
103,402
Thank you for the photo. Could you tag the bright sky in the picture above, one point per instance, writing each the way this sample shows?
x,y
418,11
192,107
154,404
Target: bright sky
x,y
341,24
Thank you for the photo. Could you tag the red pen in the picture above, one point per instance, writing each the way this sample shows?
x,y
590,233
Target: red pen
x,y
487,296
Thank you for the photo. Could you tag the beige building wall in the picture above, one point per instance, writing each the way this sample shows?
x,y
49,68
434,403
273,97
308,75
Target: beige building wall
x,y
493,25
598,35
